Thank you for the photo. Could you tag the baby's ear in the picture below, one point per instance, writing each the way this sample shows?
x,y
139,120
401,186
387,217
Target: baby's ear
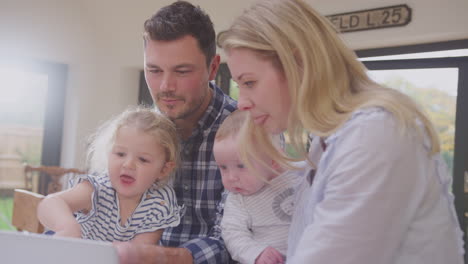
x,y
168,167
275,165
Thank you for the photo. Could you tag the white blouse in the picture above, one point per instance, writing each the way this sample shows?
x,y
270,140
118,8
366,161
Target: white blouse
x,y
378,196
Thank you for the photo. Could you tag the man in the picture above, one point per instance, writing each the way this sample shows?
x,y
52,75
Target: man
x,y
180,60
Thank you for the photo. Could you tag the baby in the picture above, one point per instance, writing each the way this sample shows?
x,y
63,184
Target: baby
x,y
259,207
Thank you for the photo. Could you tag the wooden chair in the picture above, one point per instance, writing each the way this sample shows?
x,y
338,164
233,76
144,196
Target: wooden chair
x,y
25,211
25,202
54,173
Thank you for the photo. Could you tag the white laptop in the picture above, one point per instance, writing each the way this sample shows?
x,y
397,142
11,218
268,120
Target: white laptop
x,y
27,248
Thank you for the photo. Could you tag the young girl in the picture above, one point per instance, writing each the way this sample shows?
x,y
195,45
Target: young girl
x,y
130,200
376,190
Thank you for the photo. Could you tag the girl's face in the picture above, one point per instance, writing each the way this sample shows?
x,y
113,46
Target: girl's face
x,y
235,176
263,89
136,161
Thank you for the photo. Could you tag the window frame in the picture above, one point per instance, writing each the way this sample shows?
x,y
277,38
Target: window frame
x,y
54,108
460,165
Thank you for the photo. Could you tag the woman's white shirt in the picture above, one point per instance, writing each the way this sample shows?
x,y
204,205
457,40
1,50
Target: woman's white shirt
x,y
378,196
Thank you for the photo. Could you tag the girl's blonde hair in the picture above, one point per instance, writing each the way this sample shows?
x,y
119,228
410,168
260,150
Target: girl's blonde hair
x,y
326,81
146,120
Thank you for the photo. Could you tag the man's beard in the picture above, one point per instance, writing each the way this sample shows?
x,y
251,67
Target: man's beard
x,y
191,109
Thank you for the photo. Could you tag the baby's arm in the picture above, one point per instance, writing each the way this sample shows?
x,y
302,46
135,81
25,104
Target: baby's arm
x,y
236,231
150,238
56,210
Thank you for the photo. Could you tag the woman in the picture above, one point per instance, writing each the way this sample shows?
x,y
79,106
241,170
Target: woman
x,y
377,190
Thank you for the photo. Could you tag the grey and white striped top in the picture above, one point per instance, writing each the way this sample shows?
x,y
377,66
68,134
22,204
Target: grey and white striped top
x,y
158,209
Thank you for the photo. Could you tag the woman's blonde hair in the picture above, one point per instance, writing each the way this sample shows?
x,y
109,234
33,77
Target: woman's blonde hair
x,y
144,119
326,81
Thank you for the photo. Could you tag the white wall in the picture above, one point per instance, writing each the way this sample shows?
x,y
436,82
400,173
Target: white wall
x,y
100,41
432,21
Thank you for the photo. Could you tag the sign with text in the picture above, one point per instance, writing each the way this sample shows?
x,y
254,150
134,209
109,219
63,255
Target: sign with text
x,y
390,16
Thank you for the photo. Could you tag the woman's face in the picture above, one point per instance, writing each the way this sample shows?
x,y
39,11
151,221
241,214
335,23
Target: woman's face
x,y
263,89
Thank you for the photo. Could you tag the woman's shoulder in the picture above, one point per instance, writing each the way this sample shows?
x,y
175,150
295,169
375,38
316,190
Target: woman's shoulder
x,y
369,114
368,120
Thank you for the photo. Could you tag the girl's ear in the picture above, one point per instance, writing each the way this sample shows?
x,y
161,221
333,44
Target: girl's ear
x,y
167,168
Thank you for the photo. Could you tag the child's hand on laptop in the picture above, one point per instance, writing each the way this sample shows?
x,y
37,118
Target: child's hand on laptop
x,y
70,231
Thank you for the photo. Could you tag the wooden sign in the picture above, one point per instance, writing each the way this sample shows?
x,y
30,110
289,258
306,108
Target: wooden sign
x,y
390,16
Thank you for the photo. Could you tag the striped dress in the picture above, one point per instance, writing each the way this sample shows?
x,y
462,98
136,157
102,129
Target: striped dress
x,y
158,209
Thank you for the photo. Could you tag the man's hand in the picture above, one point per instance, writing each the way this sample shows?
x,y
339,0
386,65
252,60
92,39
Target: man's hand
x,y
133,253
126,252
270,256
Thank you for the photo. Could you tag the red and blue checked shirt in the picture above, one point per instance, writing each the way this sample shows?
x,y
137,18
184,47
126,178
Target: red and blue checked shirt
x,y
198,186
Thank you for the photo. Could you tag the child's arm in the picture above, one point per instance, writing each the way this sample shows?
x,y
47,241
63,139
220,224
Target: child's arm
x,y
236,232
56,210
151,238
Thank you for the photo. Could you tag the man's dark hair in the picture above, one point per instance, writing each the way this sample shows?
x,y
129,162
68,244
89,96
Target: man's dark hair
x,y
179,19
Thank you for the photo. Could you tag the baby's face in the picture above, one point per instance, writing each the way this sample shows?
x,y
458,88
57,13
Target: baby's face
x,y
235,176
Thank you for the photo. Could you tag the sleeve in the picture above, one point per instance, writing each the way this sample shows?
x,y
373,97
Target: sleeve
x,y
84,216
236,232
210,249
163,211
375,183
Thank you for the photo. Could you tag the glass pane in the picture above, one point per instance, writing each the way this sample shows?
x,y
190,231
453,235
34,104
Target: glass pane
x,y
432,54
22,111
436,91
233,90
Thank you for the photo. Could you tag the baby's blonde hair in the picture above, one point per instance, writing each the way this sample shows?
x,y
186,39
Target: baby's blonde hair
x,y
235,125
231,125
144,119
326,81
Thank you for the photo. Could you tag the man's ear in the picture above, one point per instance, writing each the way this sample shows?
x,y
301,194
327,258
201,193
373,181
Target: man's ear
x,y
168,167
214,66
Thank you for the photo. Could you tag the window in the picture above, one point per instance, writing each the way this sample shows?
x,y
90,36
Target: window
x,y
436,76
31,122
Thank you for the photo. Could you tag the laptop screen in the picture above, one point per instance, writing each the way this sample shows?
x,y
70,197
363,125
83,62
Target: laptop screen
x,y
28,248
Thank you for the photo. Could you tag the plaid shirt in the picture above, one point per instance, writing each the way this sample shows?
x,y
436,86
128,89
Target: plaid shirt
x,y
198,186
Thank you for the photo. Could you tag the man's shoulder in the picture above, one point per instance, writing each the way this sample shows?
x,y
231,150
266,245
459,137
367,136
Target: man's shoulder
x,y
227,106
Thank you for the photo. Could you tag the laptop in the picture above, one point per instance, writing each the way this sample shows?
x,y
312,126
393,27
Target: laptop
x,y
29,248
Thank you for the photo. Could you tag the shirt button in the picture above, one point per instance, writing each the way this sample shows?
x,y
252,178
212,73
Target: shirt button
x,y
186,187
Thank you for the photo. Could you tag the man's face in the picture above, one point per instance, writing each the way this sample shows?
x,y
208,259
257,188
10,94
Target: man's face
x,y
177,76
